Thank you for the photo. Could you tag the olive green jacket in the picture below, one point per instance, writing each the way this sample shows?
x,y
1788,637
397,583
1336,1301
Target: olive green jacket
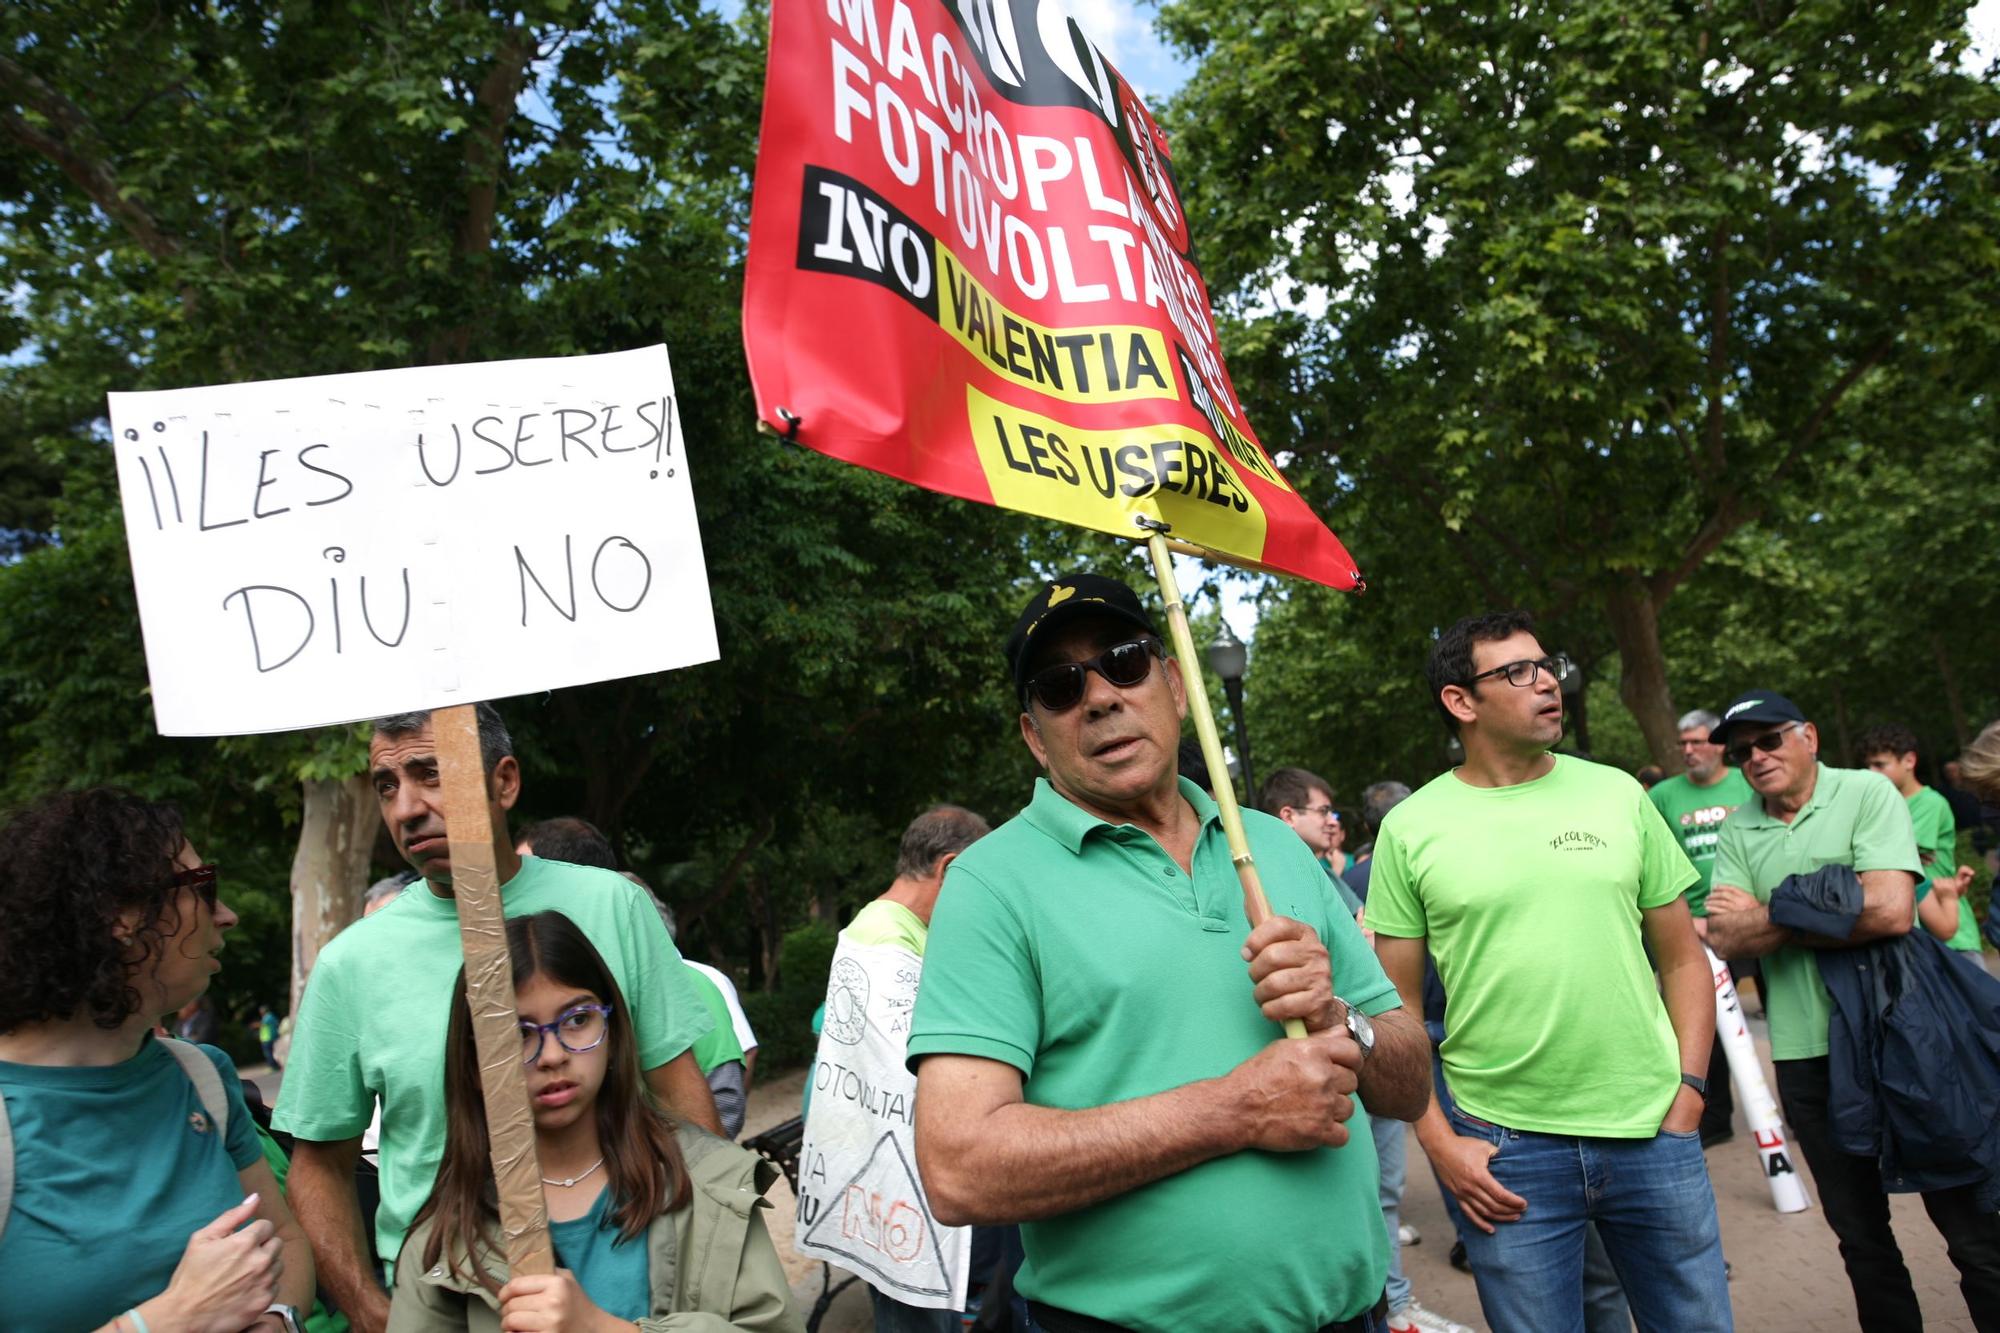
x,y
713,1265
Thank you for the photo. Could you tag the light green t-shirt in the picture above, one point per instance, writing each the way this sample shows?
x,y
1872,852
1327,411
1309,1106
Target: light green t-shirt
x,y
1855,818
1079,953
884,922
1695,815
1530,897
717,1046
372,1023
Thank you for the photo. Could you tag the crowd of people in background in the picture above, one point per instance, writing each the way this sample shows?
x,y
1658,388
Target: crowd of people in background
x,y
1510,964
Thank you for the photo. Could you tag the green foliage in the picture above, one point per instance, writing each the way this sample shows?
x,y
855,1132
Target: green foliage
x,y
782,1019
1604,284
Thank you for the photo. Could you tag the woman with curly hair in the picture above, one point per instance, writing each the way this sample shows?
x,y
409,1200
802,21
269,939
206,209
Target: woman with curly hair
x,y
125,1207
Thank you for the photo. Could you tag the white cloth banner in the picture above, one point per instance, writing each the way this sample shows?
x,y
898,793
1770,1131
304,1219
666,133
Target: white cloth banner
x,y
861,1203
316,551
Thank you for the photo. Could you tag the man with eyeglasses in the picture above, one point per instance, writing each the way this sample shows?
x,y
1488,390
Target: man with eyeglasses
x,y
1097,1041
371,1027
1538,882
1808,816
1694,804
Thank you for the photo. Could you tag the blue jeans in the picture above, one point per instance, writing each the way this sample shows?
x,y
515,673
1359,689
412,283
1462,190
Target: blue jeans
x,y
1392,1151
1653,1207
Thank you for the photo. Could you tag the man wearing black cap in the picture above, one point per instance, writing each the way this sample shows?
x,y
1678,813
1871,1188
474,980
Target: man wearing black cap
x,y
1091,1057
1807,816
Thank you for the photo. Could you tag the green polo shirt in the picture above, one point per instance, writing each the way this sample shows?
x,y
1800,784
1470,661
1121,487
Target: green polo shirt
x,y
1694,815
1079,953
1532,898
1854,818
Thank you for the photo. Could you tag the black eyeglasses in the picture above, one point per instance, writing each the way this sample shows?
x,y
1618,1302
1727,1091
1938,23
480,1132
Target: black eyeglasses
x,y
1768,743
1123,664
1523,673
201,879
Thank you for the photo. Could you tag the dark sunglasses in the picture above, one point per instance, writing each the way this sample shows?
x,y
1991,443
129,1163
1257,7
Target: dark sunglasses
x,y
201,879
1123,664
1768,743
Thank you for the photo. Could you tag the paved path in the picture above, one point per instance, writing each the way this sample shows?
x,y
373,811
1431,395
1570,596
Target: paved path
x,y
1788,1273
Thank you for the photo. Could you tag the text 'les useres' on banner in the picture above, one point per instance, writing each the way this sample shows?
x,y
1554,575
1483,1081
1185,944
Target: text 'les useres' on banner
x,y
322,550
962,205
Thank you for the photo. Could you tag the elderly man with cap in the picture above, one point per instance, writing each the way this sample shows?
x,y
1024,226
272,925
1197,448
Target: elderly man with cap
x,y
1097,1042
1808,816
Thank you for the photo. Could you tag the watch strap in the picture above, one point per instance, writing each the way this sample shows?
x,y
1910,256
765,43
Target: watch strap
x,y
1700,1085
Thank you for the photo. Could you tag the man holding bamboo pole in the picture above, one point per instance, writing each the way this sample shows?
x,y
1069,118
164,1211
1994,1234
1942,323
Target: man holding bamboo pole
x,y
1091,1057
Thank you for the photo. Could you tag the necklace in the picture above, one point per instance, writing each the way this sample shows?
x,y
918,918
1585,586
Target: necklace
x,y
565,1184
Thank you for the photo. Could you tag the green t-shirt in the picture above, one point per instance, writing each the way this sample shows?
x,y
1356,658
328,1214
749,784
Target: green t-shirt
x,y
884,922
717,1046
1855,818
1695,816
613,1272
115,1166
1530,897
1079,953
372,1023
1937,852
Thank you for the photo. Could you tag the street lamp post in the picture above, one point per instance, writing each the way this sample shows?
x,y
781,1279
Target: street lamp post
x,y
1227,657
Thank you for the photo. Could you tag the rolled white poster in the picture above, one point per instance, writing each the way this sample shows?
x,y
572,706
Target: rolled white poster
x,y
1753,1094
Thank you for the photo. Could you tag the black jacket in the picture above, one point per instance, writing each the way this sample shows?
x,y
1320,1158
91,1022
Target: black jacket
x,y
1913,1050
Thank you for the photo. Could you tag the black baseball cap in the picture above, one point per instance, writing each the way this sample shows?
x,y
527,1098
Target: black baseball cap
x,y
1062,601
1756,708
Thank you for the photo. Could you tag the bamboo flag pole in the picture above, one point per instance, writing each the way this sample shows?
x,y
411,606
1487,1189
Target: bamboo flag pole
x,y
1255,905
489,992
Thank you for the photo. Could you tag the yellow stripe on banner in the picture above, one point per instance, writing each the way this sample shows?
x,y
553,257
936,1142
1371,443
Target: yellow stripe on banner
x,y
1106,363
1101,478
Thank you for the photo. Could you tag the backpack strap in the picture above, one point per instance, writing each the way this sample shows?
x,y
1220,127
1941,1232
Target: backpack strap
x,y
6,1163
207,1080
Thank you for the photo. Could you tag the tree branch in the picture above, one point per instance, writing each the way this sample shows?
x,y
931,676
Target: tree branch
x,y
485,155
71,142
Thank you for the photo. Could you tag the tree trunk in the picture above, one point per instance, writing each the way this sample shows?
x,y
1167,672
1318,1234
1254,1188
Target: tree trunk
x,y
1642,684
1951,698
330,869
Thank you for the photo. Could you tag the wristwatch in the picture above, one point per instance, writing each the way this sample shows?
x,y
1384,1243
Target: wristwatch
x,y
1363,1030
1700,1085
287,1314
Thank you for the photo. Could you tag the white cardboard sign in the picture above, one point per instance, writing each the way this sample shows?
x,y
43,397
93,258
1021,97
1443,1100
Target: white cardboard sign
x,y
861,1203
324,550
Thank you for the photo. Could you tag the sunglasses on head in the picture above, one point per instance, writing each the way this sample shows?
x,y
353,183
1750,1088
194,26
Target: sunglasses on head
x,y
1123,664
201,879
1768,743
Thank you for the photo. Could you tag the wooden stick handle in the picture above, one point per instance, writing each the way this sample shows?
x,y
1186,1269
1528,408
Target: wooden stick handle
x,y
1255,905
489,991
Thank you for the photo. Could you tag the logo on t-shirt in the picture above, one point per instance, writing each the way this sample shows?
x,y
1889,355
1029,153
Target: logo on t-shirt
x,y
1576,840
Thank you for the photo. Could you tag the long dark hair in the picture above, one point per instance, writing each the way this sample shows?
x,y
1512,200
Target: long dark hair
x,y
642,1160
75,862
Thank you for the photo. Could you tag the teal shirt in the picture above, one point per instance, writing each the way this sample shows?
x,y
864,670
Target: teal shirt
x,y
1079,953
115,1166
372,1023
612,1271
1854,818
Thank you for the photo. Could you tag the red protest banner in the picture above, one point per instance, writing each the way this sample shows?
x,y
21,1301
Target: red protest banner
x,y
969,268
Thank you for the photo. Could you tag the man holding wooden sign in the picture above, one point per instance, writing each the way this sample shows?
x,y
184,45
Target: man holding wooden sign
x,y
314,552
1088,1063
373,1020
